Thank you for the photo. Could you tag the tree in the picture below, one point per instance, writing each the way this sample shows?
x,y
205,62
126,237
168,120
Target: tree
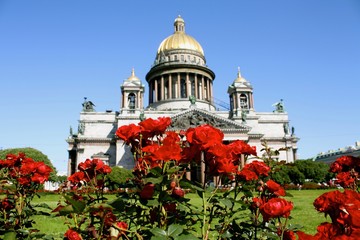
x,y
35,154
118,177
316,171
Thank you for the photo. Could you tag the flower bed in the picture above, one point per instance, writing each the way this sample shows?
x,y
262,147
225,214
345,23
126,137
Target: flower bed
x,y
155,204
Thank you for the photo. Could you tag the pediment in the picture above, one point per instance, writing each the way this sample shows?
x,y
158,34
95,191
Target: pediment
x,y
196,117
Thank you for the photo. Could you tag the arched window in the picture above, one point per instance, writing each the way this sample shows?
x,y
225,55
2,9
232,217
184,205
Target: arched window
x,y
244,101
131,100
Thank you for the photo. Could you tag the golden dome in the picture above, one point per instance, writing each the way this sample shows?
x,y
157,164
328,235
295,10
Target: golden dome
x,y
180,40
133,78
239,77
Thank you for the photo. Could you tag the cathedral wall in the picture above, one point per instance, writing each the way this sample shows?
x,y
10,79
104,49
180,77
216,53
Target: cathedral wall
x,y
87,150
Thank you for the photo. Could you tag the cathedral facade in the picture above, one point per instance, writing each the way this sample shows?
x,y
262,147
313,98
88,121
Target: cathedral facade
x,y
180,86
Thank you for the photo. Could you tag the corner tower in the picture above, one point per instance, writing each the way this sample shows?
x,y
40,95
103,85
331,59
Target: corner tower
x,y
132,92
180,72
241,96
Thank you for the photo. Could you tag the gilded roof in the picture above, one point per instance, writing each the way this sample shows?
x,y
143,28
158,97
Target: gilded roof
x,y
180,40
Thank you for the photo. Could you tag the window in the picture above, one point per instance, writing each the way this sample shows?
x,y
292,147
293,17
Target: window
x,y
131,100
183,88
243,101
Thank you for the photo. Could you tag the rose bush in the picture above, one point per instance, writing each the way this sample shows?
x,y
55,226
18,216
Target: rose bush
x,y
245,202
342,207
20,178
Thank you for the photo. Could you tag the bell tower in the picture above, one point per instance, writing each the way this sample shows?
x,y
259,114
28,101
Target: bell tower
x,y
241,96
132,93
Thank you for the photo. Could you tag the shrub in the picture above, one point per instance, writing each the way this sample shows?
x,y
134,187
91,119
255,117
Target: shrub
x,y
118,177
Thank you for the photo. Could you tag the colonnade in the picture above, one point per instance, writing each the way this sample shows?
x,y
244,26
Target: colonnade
x,y
180,85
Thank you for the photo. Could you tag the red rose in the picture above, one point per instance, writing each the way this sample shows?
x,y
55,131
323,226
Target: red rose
x,y
256,203
43,169
128,133
170,207
328,231
287,235
152,127
239,147
6,204
275,188
226,166
122,225
247,175
344,163
168,152
205,136
39,178
28,166
260,168
305,236
72,235
77,177
83,166
326,201
344,179
148,191
109,219
276,207
24,180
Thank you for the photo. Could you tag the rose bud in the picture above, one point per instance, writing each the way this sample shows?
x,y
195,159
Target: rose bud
x,y
148,191
172,184
178,192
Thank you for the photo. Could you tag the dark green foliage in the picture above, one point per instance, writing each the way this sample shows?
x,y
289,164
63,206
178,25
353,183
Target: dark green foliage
x,y
281,176
287,173
36,155
297,172
62,178
118,177
316,171
295,175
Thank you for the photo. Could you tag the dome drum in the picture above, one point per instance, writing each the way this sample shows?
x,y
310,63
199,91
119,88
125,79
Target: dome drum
x,y
179,73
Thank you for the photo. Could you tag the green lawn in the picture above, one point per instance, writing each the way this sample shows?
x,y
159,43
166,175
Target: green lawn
x,y
303,213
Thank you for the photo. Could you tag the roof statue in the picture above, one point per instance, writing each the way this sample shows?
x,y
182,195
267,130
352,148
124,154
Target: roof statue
x,y
292,131
279,107
142,116
192,99
88,106
81,128
286,128
243,116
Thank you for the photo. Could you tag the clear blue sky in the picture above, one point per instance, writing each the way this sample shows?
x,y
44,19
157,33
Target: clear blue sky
x,y
54,53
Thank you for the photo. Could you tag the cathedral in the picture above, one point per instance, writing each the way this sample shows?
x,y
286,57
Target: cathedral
x,y
180,86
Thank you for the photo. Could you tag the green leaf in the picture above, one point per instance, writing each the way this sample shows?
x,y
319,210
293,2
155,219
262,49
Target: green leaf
x,y
42,205
118,204
66,210
186,237
153,180
174,230
226,235
10,236
185,183
78,206
226,202
158,232
157,238
173,170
